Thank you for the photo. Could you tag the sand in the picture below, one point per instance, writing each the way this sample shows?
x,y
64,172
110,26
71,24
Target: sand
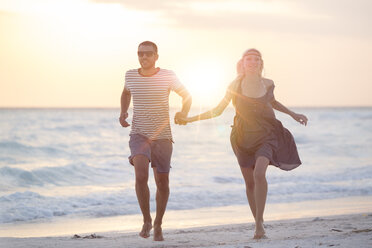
x,y
341,222
353,230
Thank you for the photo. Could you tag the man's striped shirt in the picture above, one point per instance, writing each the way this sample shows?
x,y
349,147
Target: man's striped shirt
x,y
150,96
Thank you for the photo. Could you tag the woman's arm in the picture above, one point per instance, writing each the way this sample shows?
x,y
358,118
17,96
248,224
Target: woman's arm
x,y
217,111
280,107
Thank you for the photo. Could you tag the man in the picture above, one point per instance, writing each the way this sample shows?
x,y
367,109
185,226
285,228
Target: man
x,y
150,136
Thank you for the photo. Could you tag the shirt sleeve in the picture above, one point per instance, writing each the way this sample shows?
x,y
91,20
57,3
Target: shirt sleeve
x,y
270,87
269,83
126,81
175,84
232,89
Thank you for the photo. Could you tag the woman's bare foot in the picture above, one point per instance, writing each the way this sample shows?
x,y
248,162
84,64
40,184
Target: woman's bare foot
x,y
259,232
158,233
146,228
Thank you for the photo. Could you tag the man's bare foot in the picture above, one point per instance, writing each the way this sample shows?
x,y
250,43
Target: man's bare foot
x,y
146,228
158,233
259,232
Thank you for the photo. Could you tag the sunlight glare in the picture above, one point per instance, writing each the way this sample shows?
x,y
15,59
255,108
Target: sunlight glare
x,y
206,81
83,18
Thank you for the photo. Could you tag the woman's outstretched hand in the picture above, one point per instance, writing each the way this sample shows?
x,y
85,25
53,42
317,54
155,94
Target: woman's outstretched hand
x,y
302,119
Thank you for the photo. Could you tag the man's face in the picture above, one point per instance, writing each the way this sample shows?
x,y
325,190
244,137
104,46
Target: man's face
x,y
147,56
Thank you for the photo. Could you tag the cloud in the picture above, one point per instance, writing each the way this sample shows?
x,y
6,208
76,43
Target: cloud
x,y
147,5
333,17
349,17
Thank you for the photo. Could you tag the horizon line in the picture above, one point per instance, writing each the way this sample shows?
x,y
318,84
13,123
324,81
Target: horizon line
x,y
170,107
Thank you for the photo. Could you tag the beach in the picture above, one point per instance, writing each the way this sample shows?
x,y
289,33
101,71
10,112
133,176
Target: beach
x,y
332,231
344,222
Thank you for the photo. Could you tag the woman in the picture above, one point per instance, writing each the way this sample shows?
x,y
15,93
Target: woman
x,y
257,137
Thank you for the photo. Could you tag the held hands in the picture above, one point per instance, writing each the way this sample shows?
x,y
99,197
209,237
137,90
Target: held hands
x,y
180,118
302,119
122,120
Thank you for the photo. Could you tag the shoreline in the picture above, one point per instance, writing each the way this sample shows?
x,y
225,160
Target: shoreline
x,y
343,231
171,107
196,218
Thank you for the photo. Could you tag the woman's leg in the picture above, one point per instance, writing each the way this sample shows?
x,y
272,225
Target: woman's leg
x,y
249,187
260,193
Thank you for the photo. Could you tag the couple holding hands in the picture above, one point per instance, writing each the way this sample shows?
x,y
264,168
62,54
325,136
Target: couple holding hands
x,y
257,138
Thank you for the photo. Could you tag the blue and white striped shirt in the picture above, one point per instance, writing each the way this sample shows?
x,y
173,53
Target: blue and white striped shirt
x,y
150,96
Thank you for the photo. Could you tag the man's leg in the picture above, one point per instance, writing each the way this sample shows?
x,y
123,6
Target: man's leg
x,y
141,167
162,195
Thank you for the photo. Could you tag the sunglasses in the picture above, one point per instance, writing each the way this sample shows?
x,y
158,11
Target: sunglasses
x,y
147,53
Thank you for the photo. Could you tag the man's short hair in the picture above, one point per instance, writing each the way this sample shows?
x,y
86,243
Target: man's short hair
x,y
149,43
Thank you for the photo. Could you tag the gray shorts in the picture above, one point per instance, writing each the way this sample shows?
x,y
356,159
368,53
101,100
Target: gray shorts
x,y
159,152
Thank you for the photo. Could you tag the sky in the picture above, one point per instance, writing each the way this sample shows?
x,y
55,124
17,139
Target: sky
x,y
74,53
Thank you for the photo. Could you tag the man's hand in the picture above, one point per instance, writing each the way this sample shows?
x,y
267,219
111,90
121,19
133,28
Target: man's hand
x,y
122,120
180,118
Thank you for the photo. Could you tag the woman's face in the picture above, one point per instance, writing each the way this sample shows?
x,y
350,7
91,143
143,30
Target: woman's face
x,y
252,64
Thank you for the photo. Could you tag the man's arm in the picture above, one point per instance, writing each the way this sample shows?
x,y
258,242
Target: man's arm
x,y
124,105
186,104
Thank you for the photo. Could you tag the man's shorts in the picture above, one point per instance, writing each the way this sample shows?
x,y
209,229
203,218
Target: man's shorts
x,y
158,152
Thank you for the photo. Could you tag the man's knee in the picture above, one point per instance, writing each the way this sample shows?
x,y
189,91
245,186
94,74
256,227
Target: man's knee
x,y
162,182
141,178
141,167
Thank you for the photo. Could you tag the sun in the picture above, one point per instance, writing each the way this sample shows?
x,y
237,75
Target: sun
x,y
206,80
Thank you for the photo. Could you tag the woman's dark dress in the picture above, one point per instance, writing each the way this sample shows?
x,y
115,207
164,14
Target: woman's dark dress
x,y
256,132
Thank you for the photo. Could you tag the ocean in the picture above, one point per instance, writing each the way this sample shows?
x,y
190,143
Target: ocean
x,y
62,163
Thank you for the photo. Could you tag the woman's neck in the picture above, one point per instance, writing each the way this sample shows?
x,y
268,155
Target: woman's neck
x,y
252,78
